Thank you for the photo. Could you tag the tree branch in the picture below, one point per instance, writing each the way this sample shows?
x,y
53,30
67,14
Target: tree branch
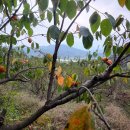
x,y
12,16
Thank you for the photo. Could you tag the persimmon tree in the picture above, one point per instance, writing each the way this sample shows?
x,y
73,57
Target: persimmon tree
x,y
17,19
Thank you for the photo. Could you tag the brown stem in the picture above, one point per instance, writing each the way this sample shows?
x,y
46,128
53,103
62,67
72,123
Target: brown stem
x,y
11,16
8,57
52,72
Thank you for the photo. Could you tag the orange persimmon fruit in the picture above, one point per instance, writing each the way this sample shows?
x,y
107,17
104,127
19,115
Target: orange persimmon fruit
x,y
60,80
14,18
2,69
107,61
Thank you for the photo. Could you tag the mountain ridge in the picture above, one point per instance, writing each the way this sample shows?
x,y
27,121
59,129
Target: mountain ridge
x,y
64,51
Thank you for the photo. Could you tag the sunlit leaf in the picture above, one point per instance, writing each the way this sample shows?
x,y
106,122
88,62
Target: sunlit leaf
x,y
49,16
26,9
94,21
121,2
71,9
127,3
70,39
49,66
106,27
68,81
62,5
111,18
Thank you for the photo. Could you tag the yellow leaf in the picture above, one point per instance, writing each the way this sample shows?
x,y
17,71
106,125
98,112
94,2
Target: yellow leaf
x,y
60,80
81,119
49,66
125,80
58,71
121,2
49,56
13,61
68,81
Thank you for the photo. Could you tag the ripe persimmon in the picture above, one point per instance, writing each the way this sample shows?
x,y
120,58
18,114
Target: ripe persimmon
x,y
2,69
107,61
75,84
23,61
104,59
14,18
30,40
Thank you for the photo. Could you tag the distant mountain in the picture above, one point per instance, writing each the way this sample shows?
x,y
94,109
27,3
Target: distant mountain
x,y
64,51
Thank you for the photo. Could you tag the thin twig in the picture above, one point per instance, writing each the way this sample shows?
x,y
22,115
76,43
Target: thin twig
x,y
12,15
98,107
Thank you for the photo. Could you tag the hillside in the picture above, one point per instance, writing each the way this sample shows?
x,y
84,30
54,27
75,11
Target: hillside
x,y
64,51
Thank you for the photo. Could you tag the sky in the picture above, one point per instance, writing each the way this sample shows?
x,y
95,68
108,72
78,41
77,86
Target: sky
x,y
110,6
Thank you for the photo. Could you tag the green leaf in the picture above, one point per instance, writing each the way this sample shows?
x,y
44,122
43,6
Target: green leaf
x,y
26,9
127,4
43,4
80,4
35,22
114,50
31,16
30,31
108,45
1,7
106,27
54,32
15,3
42,15
13,40
107,50
119,50
71,9
62,5
87,41
84,31
127,25
28,49
32,45
121,2
48,36
94,21
49,15
61,35
37,46
111,18
119,20
70,39
108,41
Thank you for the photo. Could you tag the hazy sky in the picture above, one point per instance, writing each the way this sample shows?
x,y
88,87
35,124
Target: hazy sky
x,y
109,6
